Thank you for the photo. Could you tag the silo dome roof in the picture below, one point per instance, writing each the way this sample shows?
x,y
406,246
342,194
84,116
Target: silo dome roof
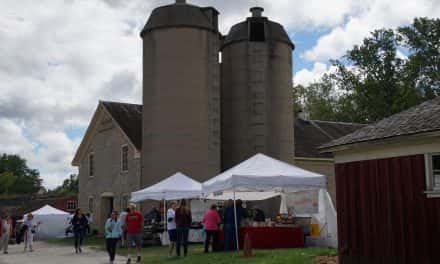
x,y
179,14
274,31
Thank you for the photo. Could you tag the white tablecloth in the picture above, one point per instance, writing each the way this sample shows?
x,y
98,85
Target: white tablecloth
x,y
194,236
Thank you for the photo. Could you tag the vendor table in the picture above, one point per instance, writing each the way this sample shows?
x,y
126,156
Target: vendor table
x,y
271,237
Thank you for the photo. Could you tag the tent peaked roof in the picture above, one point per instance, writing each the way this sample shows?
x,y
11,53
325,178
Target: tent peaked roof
x,y
261,172
49,210
177,186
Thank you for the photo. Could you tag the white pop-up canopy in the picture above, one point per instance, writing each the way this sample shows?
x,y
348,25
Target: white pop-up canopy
x,y
177,186
263,173
53,222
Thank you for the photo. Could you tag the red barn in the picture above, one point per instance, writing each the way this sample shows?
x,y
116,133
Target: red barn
x,y
388,189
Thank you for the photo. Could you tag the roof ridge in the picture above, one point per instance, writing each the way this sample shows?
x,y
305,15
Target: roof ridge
x,y
339,122
321,129
122,103
379,126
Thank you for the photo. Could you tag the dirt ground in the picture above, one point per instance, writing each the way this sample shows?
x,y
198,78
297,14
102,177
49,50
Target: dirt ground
x,y
326,260
49,253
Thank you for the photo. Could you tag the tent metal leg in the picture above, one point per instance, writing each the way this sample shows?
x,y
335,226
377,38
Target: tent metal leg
x,y
164,215
236,224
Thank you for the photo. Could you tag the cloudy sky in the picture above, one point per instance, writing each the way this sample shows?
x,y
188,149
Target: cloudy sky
x,y
59,57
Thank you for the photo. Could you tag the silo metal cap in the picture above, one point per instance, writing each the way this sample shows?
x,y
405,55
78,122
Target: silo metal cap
x,y
182,2
256,11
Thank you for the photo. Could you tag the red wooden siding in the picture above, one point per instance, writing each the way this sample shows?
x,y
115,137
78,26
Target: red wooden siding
x,y
383,214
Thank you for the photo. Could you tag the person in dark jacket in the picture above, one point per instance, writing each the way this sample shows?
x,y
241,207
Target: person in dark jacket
x,y
229,223
79,224
183,223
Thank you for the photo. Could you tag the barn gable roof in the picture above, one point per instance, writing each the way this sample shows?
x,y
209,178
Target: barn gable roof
x,y
422,118
128,118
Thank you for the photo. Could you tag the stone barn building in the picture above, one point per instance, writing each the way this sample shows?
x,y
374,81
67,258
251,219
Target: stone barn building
x,y
200,115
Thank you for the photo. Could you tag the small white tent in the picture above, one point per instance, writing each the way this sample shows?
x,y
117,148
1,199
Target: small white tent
x,y
177,186
53,222
261,173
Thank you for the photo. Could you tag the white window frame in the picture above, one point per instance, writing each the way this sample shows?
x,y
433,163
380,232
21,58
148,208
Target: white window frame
x,y
431,190
91,209
91,175
122,157
72,207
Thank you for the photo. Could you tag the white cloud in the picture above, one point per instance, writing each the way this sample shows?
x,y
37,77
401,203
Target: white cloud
x,y
306,77
365,17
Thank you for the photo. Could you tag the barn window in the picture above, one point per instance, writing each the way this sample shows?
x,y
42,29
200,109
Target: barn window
x,y
91,205
256,32
71,205
91,164
432,162
124,158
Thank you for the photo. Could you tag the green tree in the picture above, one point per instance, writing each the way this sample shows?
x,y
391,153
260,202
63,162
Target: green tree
x,y
375,79
422,38
69,186
7,180
372,78
27,181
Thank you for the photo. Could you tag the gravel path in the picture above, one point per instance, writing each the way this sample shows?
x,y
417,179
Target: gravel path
x,y
58,254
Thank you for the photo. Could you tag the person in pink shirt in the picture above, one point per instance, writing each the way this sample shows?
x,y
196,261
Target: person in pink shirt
x,y
211,222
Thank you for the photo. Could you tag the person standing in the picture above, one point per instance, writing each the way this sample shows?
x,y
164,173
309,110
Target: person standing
x,y
31,229
228,225
5,233
113,232
211,221
134,222
122,217
171,227
79,226
89,222
183,223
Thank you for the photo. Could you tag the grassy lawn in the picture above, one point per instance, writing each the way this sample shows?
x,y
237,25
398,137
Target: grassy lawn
x,y
157,254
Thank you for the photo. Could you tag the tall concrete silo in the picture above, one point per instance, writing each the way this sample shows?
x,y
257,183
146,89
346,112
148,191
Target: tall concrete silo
x,y
256,90
181,93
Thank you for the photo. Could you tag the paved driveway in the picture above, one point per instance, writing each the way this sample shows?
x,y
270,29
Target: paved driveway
x,y
58,254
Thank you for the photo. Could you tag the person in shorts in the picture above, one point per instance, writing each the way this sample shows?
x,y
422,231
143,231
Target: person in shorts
x,y
134,223
171,226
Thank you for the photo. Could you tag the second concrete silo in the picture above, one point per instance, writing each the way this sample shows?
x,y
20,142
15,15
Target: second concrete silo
x,y
181,93
256,91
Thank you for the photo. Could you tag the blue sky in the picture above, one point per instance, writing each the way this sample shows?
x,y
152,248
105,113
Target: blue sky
x,y
59,58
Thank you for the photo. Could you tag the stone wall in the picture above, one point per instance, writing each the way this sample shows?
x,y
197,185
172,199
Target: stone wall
x,y
108,182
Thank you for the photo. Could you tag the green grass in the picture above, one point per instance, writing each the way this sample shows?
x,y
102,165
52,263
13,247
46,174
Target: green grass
x,y
157,254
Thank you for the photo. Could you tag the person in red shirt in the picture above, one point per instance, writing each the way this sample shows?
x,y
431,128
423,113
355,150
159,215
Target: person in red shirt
x,y
211,221
134,223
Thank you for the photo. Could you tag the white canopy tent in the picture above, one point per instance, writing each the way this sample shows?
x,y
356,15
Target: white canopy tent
x,y
53,222
261,173
177,186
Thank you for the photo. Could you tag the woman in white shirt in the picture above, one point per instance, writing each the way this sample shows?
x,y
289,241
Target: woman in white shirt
x,y
30,231
171,226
